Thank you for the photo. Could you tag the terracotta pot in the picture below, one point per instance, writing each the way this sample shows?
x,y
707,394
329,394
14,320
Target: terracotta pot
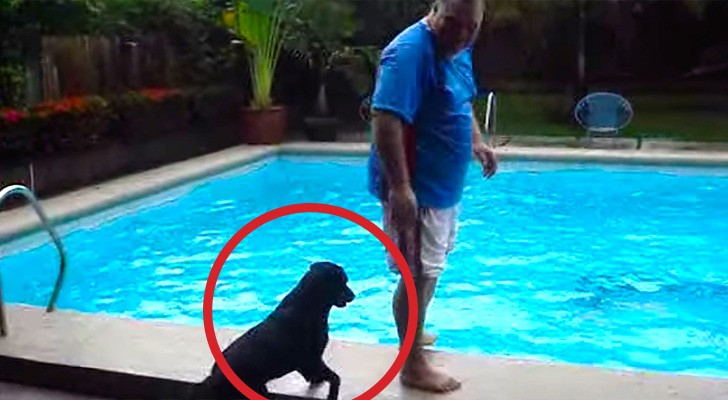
x,y
265,126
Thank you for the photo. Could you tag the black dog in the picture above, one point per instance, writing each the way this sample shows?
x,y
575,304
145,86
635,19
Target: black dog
x,y
292,338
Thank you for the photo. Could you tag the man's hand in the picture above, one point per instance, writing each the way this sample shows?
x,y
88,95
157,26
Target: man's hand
x,y
388,134
487,158
483,152
403,204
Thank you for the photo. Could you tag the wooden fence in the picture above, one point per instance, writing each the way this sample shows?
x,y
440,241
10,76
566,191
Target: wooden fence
x,y
83,65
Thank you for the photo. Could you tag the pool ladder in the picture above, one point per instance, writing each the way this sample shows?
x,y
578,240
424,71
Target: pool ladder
x,y
28,194
490,110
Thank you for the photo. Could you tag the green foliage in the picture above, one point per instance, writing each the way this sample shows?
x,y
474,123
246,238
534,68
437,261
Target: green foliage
x,y
13,79
321,27
81,123
379,21
359,65
531,16
68,17
697,7
191,26
201,45
132,17
262,25
9,35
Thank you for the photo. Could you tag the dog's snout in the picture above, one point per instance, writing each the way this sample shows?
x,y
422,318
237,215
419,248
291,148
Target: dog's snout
x,y
345,297
350,296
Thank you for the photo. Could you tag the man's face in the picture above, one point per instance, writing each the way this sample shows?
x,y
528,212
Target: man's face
x,y
458,28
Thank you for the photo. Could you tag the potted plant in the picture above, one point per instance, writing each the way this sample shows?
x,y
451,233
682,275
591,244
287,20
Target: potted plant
x,y
262,26
322,26
359,65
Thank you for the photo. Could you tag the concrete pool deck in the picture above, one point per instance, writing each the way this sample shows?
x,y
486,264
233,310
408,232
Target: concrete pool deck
x,y
133,357
131,352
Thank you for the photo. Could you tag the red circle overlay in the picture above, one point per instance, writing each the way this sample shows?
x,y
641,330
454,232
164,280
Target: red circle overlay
x,y
409,283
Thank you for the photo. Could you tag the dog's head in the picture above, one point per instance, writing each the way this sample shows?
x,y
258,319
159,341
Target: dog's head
x,y
330,283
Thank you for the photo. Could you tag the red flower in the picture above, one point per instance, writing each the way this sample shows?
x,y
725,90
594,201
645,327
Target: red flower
x,y
157,94
12,116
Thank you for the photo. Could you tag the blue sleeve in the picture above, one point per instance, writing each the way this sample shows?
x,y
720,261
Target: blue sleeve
x,y
399,83
474,87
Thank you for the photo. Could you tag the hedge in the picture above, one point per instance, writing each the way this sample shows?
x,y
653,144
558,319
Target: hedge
x,y
79,124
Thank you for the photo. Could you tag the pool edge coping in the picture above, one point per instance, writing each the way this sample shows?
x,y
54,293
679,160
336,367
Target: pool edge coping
x,y
114,347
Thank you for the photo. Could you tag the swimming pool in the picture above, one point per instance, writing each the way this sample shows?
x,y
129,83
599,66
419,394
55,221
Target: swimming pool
x,y
616,266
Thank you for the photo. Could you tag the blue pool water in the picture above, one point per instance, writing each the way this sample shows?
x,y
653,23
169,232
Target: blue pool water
x,y
583,263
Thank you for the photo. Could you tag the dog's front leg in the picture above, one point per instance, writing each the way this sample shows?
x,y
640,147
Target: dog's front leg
x,y
322,373
334,381
334,385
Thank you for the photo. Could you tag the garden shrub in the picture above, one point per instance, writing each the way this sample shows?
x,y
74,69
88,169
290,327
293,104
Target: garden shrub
x,y
214,104
145,114
71,124
77,124
12,85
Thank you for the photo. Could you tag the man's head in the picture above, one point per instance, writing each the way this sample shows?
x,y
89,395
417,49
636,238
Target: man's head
x,y
456,23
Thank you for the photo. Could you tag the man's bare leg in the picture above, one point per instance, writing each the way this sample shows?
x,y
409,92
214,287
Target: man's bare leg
x,y
428,339
425,338
418,372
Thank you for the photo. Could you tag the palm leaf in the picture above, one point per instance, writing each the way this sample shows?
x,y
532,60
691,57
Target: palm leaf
x,y
260,24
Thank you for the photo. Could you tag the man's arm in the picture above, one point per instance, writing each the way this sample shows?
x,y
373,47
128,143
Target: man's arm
x,y
395,102
388,136
477,133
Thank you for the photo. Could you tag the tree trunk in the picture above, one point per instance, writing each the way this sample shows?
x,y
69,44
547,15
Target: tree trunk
x,y
582,86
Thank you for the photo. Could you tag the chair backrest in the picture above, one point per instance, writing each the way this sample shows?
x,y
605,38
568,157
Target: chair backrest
x,y
603,110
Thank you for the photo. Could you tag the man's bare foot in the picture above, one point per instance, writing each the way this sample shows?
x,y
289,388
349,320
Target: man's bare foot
x,y
428,339
423,376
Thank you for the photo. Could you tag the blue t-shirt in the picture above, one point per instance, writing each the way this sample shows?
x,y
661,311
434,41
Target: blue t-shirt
x,y
433,95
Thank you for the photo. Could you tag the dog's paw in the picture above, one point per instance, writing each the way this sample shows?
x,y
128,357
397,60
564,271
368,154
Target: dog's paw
x,y
316,380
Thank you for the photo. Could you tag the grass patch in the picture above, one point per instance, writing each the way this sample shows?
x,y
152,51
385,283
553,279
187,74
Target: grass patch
x,y
687,117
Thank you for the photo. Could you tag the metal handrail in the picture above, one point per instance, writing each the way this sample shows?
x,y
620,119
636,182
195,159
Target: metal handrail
x,y
28,194
489,127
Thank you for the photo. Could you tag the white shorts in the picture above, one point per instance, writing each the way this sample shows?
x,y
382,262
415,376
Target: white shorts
x,y
438,229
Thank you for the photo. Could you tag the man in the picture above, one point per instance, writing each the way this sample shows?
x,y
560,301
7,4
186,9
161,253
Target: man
x,y
425,137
